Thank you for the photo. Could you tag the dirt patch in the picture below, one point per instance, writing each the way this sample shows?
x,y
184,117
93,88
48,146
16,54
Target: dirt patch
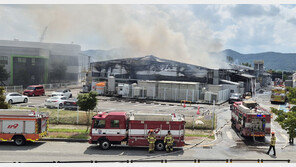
x,y
198,132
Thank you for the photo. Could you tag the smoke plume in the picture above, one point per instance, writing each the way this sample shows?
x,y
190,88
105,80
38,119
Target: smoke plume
x,y
166,31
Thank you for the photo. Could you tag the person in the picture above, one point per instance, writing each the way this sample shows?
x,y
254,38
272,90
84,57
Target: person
x,y
151,140
272,144
168,141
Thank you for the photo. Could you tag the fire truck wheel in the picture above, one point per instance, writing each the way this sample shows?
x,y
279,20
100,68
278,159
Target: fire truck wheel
x,y
159,145
19,140
241,133
105,145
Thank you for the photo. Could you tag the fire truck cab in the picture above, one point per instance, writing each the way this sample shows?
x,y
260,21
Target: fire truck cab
x,y
121,128
249,119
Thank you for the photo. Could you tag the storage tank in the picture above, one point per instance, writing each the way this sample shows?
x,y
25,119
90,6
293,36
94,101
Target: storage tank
x,y
111,84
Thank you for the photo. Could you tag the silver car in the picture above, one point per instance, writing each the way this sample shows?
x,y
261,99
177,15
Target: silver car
x,y
55,102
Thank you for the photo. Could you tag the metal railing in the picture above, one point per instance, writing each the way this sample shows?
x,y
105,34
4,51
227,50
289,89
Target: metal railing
x,y
173,161
61,85
18,88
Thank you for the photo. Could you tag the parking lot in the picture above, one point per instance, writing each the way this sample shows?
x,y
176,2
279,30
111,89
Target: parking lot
x,y
38,101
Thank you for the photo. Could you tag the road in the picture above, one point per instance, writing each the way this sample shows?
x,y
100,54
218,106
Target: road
x,y
228,144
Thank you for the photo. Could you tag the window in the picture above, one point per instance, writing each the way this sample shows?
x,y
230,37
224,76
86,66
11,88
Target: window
x,y
3,60
100,124
21,60
33,61
115,124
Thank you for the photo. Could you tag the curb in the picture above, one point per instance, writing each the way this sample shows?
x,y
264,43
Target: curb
x,y
65,140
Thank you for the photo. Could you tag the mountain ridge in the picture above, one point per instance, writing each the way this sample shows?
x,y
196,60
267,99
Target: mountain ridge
x,y
272,60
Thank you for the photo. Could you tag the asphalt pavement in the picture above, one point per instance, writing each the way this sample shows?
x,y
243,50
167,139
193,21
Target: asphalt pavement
x,y
228,144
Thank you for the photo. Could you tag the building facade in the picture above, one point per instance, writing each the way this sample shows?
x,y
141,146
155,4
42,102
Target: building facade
x,y
36,62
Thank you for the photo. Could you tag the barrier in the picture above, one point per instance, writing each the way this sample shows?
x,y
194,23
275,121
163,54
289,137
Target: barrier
x,y
184,101
171,160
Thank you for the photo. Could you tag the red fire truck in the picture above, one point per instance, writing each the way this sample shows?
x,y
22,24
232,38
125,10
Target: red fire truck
x,y
249,119
121,128
22,125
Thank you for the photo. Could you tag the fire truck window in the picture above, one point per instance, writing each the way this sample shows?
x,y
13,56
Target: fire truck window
x,y
115,124
99,124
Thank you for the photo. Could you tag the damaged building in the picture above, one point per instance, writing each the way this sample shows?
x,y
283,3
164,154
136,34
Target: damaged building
x,y
160,79
150,68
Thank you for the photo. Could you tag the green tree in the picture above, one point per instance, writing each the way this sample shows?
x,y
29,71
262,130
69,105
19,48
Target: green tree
x,y
287,120
247,64
3,104
4,75
87,102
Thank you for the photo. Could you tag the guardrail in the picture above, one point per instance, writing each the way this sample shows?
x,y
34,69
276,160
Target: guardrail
x,y
171,160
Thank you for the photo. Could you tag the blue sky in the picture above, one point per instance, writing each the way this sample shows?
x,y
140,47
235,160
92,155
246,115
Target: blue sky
x,y
150,28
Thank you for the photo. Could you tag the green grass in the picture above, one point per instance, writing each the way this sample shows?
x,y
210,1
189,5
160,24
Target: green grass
x,y
197,135
76,136
62,116
67,130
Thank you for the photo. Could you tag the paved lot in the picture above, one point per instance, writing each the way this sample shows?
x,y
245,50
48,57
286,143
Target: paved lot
x,y
228,145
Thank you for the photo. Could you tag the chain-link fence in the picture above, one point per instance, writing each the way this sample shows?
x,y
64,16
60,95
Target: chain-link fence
x,y
18,88
52,86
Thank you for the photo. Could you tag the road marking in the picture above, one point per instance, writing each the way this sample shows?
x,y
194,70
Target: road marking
x,y
229,135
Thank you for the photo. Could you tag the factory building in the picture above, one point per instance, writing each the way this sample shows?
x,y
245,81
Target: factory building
x,y
32,62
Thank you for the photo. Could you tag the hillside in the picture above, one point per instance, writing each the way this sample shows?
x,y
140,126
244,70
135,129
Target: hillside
x,y
272,60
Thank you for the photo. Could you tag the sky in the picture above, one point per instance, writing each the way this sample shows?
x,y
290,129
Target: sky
x,y
168,30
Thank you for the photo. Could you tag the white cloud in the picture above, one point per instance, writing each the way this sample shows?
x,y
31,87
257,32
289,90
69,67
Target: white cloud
x,y
164,30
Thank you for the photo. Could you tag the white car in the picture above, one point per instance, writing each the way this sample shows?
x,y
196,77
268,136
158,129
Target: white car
x,y
16,98
62,92
56,102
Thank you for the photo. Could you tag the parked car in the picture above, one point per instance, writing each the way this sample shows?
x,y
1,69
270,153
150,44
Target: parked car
x,y
55,102
71,104
235,97
16,98
34,90
62,92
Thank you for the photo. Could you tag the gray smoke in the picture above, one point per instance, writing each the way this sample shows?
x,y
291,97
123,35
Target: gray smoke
x,y
166,31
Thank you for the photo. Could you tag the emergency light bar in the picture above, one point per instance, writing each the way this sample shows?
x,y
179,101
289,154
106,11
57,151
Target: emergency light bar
x,y
259,115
